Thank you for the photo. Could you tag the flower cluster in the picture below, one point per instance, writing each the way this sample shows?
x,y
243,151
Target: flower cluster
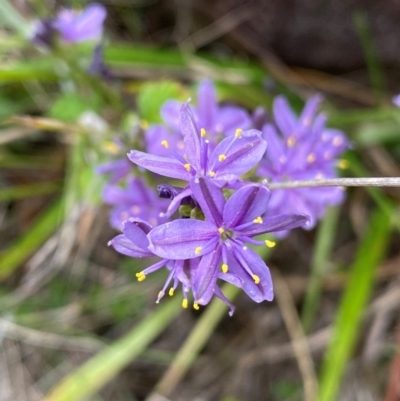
x,y
218,210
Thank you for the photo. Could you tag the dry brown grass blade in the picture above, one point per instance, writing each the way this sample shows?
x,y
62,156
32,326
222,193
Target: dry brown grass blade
x,y
299,341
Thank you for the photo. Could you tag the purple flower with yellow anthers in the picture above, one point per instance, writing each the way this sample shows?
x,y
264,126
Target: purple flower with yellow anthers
x,y
215,119
135,200
232,157
222,239
133,242
81,26
302,149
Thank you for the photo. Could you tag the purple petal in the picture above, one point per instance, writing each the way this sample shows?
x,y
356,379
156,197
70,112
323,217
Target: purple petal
x,y
230,118
284,117
160,165
205,277
136,230
191,136
240,278
396,100
87,25
310,110
257,266
239,154
207,105
246,204
210,199
158,133
170,113
122,244
183,239
276,146
275,223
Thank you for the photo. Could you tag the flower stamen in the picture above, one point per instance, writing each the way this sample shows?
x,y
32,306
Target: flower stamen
x,y
197,251
258,220
224,268
196,306
185,303
270,244
256,278
238,133
165,144
187,166
140,276
171,291
221,158
203,132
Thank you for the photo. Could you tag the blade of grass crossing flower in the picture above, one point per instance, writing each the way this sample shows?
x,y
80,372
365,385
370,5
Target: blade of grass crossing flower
x,y
99,370
40,230
353,304
322,250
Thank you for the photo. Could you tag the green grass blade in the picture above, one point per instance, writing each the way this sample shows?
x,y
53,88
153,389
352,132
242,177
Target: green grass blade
x,y
197,339
10,17
24,247
322,250
95,373
370,53
28,191
353,303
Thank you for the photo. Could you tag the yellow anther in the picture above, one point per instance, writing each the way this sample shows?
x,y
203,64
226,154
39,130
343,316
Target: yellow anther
x,y
337,141
221,230
165,144
144,124
221,158
224,268
238,133
196,306
203,132
343,164
185,303
311,158
187,166
140,276
291,141
256,278
258,220
270,244
111,147
171,292
212,173
198,250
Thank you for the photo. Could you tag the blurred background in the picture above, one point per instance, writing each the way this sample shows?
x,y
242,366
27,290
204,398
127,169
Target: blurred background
x,y
74,322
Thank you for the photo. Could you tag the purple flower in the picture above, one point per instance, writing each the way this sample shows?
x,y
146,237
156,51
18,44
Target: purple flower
x,y
136,200
81,26
118,169
43,33
396,100
208,115
302,149
97,66
221,239
133,242
232,157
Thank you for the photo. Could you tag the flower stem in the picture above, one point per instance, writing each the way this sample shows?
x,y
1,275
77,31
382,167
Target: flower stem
x,y
342,182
